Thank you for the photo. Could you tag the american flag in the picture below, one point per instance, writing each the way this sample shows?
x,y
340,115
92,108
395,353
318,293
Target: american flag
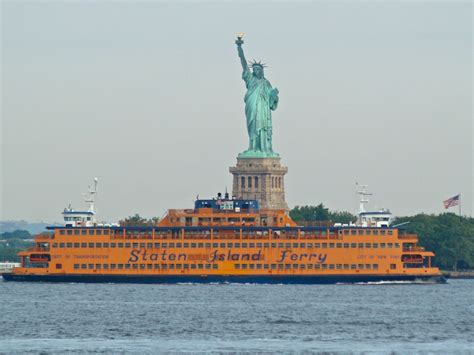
x,y
450,202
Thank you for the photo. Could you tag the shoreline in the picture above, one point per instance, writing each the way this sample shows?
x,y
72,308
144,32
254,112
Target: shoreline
x,y
458,274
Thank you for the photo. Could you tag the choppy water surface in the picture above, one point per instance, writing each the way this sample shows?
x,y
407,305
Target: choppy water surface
x,y
121,318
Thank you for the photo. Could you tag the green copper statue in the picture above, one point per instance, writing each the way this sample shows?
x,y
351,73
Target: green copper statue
x,y
260,100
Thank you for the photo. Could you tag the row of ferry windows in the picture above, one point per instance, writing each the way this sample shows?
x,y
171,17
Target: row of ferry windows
x,y
229,245
307,266
279,233
144,266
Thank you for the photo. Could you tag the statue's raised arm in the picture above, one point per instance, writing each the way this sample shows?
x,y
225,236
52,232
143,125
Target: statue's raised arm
x,y
240,51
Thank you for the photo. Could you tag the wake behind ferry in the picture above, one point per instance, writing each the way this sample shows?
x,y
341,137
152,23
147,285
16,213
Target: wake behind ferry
x,y
225,240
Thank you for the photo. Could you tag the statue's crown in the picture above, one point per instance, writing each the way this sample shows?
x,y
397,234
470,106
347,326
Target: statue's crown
x,y
254,63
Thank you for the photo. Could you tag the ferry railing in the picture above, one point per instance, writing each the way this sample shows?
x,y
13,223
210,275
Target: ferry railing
x,y
38,249
413,249
407,236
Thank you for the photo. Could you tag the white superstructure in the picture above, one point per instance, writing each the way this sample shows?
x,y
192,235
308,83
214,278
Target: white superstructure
x,y
73,218
380,218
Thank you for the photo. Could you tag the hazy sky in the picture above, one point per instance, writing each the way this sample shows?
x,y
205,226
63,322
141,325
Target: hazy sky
x,y
149,98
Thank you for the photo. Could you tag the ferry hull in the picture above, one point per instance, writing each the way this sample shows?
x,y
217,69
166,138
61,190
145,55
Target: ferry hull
x,y
242,279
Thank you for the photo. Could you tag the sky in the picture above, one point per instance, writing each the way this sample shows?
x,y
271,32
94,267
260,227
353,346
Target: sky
x,y
148,97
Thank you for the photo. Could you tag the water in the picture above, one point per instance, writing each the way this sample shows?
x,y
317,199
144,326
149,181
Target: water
x,y
121,318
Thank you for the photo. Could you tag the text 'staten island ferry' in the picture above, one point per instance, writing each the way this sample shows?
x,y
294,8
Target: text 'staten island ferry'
x,y
225,240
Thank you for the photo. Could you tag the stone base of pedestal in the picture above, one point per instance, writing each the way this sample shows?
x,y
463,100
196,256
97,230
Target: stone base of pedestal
x,y
260,179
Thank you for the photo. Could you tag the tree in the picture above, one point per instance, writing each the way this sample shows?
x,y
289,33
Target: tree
x,y
138,221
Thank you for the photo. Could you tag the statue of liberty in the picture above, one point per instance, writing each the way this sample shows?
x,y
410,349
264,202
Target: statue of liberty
x,y
260,100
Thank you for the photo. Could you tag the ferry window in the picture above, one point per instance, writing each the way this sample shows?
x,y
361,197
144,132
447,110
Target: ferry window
x,y
201,245
252,245
249,182
382,245
252,266
244,245
208,266
186,266
193,266
142,245
149,245
91,245
375,266
113,245
303,245
156,266
393,266
244,266
375,232
273,266
179,266
69,245
375,245
178,245
236,245
157,245
346,245
98,266
91,266
76,231
338,266
331,266
295,266
295,245
113,266
200,266
353,245
76,245
83,266
106,266
390,232
360,232
193,245
368,266
346,266
83,245
316,245
242,182
368,245
338,245
302,266
214,266
331,245
309,266
360,266
142,266
106,245
382,232
185,245
148,266
325,245
135,245
127,266
259,266
55,245
259,245
69,232
274,245
62,232
390,245
287,245
99,232
397,245
346,231
353,266
368,232
317,266
98,245
256,182
91,232
353,232
106,232
222,245
215,245
280,245
76,266
135,266
360,245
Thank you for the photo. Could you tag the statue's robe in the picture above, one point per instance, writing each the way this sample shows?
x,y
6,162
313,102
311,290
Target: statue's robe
x,y
260,99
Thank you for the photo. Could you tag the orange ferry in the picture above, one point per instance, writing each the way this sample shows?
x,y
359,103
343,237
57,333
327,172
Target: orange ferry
x,y
225,240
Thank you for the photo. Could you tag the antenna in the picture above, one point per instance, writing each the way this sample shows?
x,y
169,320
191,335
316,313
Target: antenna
x,y
90,195
363,196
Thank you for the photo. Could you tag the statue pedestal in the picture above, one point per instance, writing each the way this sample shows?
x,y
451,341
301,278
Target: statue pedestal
x,y
260,179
